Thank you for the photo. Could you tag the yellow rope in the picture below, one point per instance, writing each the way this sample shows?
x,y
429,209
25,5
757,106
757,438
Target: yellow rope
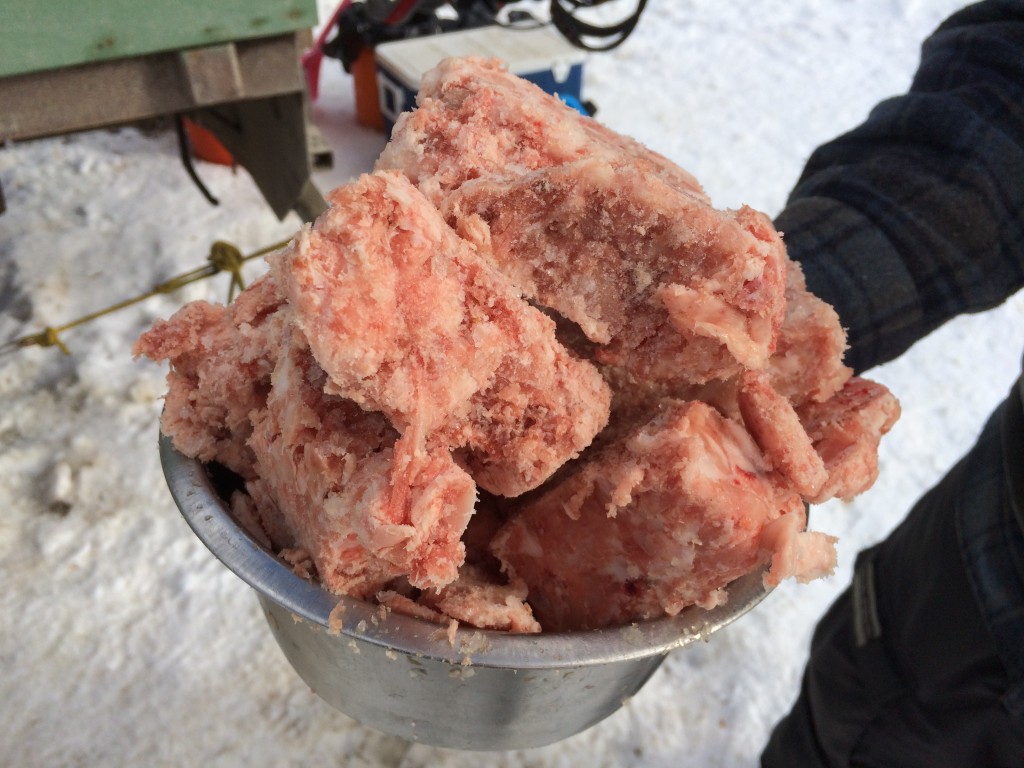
x,y
224,257
45,338
227,258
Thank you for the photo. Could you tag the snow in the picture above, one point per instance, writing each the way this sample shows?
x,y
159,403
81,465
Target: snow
x,y
123,642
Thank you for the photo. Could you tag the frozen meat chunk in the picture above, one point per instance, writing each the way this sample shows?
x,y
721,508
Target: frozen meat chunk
x,y
593,225
846,431
795,552
541,410
407,320
476,599
521,300
366,507
662,520
220,359
669,287
395,307
807,364
772,421
476,120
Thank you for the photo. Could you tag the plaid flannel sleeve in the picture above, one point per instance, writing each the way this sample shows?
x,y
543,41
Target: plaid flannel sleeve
x,y
917,215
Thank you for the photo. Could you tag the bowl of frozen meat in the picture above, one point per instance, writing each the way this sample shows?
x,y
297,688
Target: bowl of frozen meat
x,y
520,413
441,682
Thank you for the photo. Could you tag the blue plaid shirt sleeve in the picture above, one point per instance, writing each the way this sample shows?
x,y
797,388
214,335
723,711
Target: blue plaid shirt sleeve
x,y
917,215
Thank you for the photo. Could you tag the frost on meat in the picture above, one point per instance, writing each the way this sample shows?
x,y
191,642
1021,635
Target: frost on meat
x,y
663,519
807,364
668,287
846,430
409,321
221,360
775,426
613,237
476,120
332,471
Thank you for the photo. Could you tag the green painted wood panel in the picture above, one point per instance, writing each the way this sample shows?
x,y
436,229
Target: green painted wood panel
x,y
46,34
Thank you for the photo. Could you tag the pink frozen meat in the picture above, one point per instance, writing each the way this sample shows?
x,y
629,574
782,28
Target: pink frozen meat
x,y
807,364
220,360
664,519
775,426
477,599
366,507
666,285
475,119
591,224
407,320
846,431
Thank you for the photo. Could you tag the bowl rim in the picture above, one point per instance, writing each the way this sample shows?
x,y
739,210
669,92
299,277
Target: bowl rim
x,y
210,519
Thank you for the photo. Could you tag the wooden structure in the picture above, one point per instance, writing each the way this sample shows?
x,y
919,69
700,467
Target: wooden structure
x,y
230,65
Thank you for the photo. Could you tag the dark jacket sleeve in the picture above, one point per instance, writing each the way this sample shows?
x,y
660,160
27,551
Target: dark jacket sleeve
x,y
917,215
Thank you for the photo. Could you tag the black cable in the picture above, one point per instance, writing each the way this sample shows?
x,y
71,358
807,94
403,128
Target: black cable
x,y
575,30
185,150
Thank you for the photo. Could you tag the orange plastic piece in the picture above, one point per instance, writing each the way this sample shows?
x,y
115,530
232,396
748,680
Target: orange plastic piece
x,y
364,76
206,146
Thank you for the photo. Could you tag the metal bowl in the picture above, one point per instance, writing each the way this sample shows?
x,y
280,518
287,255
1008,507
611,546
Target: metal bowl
x,y
400,675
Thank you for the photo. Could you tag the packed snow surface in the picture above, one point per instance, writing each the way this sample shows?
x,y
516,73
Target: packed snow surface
x,y
124,642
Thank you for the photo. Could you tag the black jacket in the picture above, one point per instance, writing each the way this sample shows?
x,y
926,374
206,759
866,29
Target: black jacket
x,y
917,215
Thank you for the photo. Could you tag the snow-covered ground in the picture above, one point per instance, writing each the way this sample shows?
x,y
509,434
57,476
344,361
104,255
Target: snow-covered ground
x,y
122,640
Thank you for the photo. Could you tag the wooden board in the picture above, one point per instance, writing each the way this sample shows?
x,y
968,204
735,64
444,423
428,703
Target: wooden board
x,y
37,36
